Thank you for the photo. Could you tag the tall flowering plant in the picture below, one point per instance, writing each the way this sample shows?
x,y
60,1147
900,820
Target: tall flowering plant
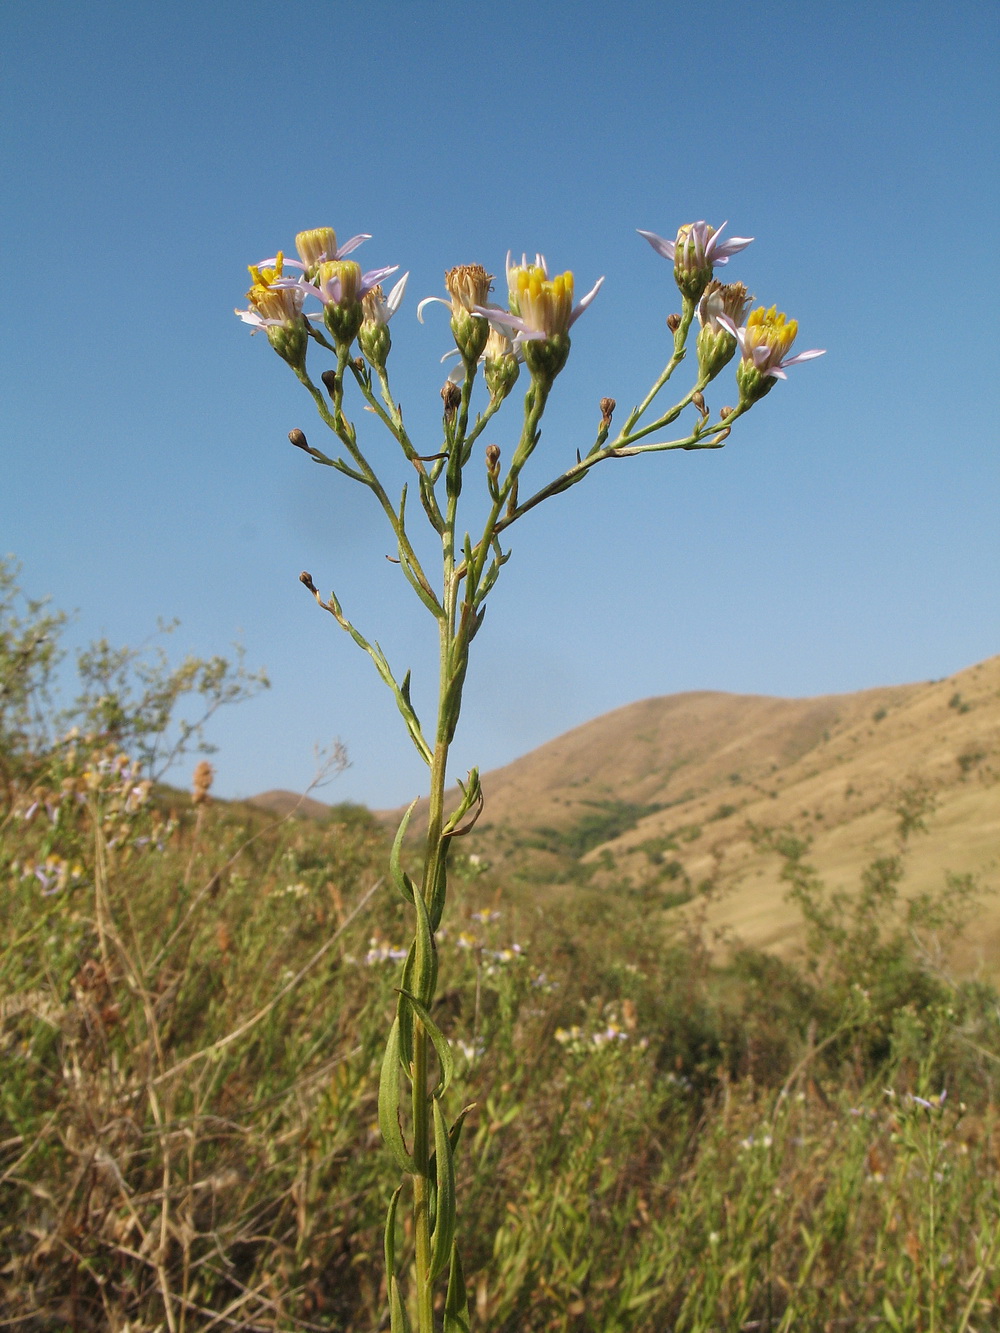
x,y
323,302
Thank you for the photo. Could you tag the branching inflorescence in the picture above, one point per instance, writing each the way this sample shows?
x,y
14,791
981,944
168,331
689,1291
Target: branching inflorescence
x,y
531,331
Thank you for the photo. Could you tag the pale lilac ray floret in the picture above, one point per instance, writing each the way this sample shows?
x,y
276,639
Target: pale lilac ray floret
x,y
703,238
381,308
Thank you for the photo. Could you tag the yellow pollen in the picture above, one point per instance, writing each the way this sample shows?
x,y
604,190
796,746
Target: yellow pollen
x,y
263,277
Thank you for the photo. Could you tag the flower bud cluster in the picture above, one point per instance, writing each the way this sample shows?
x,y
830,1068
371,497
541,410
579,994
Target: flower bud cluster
x,y
766,337
276,300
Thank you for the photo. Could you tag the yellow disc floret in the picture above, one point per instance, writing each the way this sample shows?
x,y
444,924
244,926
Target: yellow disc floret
x,y
545,304
316,245
771,330
340,279
274,303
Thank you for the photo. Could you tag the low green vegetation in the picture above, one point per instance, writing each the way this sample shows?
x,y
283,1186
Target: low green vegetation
x,y
603,821
193,1004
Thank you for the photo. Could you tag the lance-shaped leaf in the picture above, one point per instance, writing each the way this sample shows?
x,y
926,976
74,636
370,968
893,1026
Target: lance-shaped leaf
x,y
404,1011
439,1041
390,1234
388,1102
472,794
454,1134
400,878
442,1241
424,978
456,1301
399,1321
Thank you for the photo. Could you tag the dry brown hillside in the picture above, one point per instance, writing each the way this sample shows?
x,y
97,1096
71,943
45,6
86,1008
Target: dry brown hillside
x,y
659,796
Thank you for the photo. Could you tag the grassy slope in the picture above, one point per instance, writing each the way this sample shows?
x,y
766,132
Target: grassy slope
x,y
828,767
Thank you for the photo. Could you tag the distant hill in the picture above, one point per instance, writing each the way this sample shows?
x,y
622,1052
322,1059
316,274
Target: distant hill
x,y
657,797
282,803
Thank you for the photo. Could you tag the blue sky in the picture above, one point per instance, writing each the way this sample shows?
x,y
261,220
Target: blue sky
x,y
846,537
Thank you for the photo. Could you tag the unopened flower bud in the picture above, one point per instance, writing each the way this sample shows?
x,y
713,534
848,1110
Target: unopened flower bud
x,y
297,437
608,406
493,460
699,401
673,323
726,412
329,378
451,396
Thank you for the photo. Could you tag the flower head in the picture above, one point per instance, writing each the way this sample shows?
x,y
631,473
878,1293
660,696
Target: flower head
x,y
541,314
716,344
764,341
341,286
468,286
276,308
729,299
695,253
377,309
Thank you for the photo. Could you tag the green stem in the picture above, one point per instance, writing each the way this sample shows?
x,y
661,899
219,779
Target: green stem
x,y
680,338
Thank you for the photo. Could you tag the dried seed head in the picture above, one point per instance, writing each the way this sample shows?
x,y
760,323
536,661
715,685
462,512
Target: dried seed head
x,y
451,396
608,406
201,782
468,285
673,323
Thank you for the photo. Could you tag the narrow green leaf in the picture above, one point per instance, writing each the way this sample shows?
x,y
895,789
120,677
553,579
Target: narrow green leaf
x,y
399,1321
442,1241
439,891
438,1039
400,878
891,1317
388,1102
454,1134
424,978
456,1301
390,1234
404,1012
